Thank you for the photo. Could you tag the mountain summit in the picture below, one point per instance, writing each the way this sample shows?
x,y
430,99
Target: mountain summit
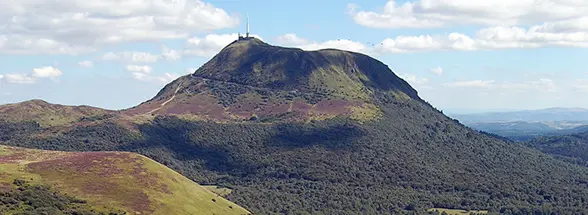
x,y
250,79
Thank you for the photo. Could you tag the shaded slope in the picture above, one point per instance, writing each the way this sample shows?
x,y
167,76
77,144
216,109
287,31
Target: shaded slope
x,y
112,181
251,79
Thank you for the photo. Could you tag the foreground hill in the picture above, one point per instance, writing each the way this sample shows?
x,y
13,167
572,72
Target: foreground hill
x,y
324,132
52,182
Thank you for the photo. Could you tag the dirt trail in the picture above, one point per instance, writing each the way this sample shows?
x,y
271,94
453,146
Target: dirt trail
x,y
165,103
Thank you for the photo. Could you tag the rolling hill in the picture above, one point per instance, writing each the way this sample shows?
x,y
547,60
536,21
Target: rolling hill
x,y
541,115
321,132
572,148
49,115
54,182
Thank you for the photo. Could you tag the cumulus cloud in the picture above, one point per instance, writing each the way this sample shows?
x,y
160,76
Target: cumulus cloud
x,y
210,44
170,54
28,27
291,39
19,78
484,39
165,78
128,56
86,64
305,44
440,13
46,72
144,73
437,70
504,24
31,78
139,69
413,79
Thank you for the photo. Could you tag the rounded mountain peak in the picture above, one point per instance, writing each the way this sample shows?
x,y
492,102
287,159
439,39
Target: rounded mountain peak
x,y
252,78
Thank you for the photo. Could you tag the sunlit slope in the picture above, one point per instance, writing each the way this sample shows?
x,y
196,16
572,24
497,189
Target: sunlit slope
x,y
48,115
112,180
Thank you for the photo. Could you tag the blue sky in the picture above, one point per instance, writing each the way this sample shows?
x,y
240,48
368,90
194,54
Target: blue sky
x,y
461,55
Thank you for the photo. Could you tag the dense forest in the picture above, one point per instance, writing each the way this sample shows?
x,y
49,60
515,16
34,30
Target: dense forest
x,y
412,160
571,148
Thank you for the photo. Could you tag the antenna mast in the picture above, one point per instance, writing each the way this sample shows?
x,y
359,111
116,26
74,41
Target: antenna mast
x,y
247,34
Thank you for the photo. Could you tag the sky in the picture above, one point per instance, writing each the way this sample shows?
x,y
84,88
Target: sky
x,y
460,55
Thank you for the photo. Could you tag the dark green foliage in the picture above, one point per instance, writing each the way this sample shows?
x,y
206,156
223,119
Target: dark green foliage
x,y
412,160
41,200
570,148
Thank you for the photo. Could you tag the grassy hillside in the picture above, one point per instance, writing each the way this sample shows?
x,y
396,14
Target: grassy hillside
x,y
107,182
48,115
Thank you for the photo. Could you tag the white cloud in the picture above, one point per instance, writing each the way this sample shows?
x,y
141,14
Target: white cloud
x,y
139,69
29,27
437,70
46,72
168,77
86,64
486,39
127,56
170,54
473,83
291,39
41,72
506,24
144,73
165,78
210,44
413,79
305,44
439,13
19,79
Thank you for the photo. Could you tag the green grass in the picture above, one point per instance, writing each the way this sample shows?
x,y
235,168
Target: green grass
x,y
113,180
